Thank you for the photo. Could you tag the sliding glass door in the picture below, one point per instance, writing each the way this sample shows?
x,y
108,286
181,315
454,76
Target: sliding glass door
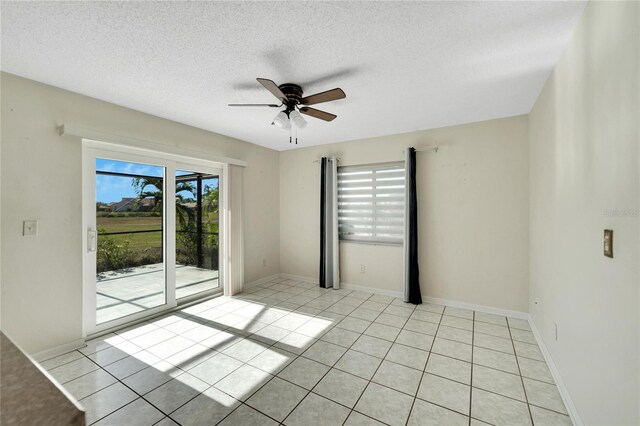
x,y
197,232
130,261
152,235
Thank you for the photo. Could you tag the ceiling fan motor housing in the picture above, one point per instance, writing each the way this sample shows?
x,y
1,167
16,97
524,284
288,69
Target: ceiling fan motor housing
x,y
294,95
292,91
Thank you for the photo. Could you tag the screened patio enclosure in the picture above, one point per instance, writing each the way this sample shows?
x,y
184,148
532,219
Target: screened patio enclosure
x,y
132,233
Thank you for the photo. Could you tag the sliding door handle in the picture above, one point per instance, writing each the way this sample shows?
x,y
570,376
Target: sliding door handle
x,y
92,240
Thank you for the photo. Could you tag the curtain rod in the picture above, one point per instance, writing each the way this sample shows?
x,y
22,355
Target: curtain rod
x,y
429,148
317,160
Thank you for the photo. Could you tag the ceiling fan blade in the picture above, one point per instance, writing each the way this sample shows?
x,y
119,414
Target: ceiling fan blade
x,y
318,98
273,88
316,113
255,105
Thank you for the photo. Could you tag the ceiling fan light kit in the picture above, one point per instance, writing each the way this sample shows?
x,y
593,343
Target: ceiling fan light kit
x,y
281,120
291,97
297,120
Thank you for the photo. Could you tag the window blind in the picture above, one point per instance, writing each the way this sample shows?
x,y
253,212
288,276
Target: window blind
x,y
371,203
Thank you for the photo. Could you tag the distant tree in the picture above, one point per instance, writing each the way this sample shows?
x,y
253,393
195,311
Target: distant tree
x,y
186,192
153,188
102,207
210,205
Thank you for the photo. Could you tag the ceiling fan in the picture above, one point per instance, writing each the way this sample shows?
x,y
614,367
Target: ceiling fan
x,y
290,96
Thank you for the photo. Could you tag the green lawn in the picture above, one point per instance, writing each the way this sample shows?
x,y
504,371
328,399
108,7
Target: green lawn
x,y
137,242
129,223
142,241
143,248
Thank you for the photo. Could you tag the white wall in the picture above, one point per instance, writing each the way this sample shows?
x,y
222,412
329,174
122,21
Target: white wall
x,y
473,213
41,179
584,160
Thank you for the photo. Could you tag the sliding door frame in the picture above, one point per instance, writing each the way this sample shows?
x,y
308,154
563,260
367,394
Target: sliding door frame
x,y
91,150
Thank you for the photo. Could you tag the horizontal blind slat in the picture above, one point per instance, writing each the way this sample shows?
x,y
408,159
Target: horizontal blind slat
x,y
379,190
382,177
398,214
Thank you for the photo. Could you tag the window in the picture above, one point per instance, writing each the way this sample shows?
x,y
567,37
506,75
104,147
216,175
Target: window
x,y
371,203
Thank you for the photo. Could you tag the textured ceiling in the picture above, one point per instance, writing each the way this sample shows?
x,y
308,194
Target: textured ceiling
x,y
404,66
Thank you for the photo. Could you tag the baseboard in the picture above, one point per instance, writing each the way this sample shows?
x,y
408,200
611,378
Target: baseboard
x,y
261,280
479,308
59,350
564,392
392,293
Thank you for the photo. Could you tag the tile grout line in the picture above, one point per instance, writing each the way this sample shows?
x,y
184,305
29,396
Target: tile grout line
x,y
330,368
447,356
172,378
253,393
470,385
125,385
302,355
274,376
482,365
352,409
442,316
473,335
244,363
265,384
524,390
376,371
424,370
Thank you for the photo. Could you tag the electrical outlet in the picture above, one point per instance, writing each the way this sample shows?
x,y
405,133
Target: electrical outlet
x,y
555,326
264,263
362,269
30,228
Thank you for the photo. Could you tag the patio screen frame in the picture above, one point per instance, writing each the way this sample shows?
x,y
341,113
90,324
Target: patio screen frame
x,y
91,150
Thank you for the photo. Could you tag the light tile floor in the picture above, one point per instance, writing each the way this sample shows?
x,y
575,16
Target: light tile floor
x,y
288,352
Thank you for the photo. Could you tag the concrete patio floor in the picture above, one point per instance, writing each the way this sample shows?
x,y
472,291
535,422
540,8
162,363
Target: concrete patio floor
x,y
132,290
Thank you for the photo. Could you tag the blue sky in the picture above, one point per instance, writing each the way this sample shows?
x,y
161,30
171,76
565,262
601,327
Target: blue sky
x,y
114,188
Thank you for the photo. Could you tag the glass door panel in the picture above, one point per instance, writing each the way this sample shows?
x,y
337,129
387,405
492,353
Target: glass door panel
x,y
197,232
130,264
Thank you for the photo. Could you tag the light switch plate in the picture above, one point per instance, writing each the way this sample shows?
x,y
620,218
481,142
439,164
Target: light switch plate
x,y
30,228
608,242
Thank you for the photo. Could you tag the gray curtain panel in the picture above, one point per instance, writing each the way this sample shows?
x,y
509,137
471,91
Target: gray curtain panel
x,y
411,270
329,245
